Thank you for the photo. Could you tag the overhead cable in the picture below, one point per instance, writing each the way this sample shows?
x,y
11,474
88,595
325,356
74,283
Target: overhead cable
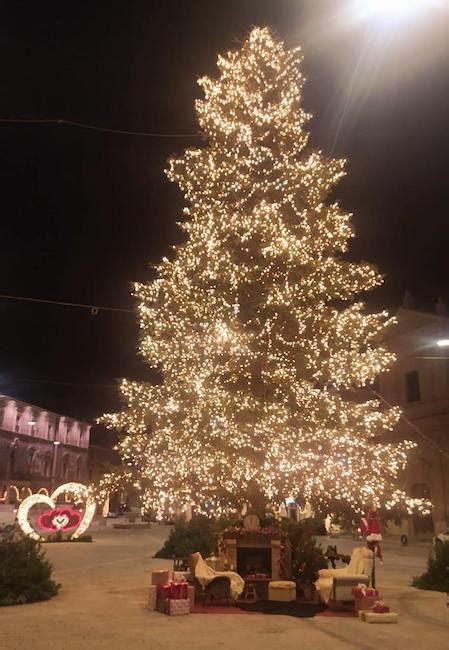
x,y
94,309
95,127
413,426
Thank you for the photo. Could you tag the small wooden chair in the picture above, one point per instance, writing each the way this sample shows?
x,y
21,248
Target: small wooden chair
x,y
250,592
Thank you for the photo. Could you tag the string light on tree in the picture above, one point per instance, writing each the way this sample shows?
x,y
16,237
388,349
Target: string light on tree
x,y
259,363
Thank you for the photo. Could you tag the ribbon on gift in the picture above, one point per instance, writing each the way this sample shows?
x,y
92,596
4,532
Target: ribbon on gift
x,y
178,590
363,591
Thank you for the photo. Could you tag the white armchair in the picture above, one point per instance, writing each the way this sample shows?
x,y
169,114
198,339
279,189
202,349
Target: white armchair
x,y
337,584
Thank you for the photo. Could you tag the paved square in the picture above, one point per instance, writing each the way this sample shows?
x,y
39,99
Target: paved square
x,y
102,605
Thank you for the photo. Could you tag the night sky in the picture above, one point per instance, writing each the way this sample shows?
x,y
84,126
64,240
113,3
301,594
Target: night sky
x,y
85,213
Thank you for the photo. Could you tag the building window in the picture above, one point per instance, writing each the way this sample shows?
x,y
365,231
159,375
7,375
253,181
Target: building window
x,y
47,460
17,425
78,467
413,394
65,466
31,458
49,431
422,524
420,491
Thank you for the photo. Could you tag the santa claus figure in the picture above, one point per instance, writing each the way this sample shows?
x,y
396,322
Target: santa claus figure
x,y
370,529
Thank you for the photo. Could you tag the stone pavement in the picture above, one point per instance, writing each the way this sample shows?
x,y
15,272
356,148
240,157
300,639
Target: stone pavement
x,y
102,605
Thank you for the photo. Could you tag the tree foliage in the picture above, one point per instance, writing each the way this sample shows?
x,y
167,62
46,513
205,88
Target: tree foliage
x,y
255,323
437,575
25,573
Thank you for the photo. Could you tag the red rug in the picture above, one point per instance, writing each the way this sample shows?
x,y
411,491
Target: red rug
x,y
210,609
342,614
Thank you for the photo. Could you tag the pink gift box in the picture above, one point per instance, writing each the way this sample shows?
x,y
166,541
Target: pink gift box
x,y
161,606
177,607
152,591
365,602
191,592
180,576
160,577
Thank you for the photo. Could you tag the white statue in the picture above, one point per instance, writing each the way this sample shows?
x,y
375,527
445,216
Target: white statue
x,y
306,512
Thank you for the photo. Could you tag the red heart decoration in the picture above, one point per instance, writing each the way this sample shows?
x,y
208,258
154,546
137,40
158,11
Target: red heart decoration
x,y
59,519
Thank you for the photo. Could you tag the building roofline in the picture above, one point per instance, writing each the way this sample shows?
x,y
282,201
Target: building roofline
x,y
429,314
42,408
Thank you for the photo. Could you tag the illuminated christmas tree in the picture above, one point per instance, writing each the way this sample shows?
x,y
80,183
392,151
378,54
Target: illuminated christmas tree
x,y
254,324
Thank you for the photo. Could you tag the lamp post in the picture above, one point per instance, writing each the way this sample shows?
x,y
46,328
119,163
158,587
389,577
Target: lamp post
x,y
56,444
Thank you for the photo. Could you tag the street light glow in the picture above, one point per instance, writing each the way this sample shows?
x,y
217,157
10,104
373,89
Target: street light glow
x,y
395,9
443,343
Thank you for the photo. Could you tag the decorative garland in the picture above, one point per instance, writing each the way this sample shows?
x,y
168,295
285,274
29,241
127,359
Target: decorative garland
x,y
272,532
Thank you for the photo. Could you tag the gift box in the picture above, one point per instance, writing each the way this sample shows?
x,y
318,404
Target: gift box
x,y
161,606
380,607
177,607
180,576
152,591
373,617
160,577
178,591
191,592
364,597
163,592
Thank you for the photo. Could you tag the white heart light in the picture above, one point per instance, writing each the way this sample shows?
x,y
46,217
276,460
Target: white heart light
x,y
60,521
80,492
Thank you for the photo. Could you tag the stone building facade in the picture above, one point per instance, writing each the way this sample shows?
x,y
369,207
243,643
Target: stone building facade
x,y
419,382
39,450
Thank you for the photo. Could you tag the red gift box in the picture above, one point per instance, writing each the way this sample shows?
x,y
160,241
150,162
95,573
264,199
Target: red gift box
x,y
364,597
163,592
362,592
178,591
380,607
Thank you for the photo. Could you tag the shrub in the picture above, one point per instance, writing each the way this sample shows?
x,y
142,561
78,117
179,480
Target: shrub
x,y
25,573
189,537
437,575
307,555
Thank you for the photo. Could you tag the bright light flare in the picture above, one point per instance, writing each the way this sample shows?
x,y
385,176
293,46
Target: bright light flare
x,y
443,343
394,9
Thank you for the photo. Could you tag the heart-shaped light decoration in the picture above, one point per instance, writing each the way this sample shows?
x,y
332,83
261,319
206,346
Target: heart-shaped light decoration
x,y
60,517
